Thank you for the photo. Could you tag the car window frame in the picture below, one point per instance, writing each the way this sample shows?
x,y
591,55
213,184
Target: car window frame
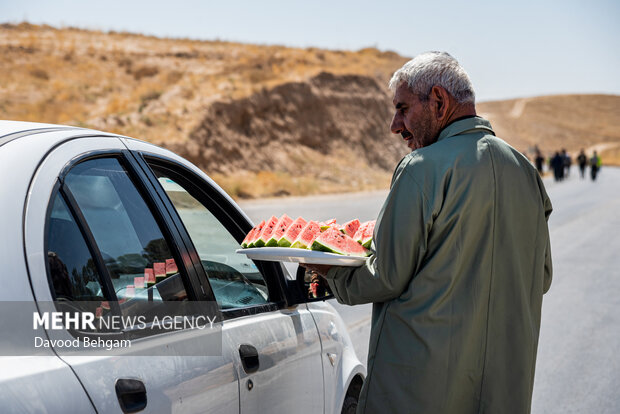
x,y
228,215
192,284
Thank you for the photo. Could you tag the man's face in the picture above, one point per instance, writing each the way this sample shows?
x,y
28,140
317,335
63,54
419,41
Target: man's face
x,y
413,119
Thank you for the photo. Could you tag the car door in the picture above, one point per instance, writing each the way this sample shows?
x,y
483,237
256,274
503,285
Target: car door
x,y
93,227
278,350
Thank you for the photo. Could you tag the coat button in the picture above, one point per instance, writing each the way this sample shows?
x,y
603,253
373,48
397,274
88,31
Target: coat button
x,y
250,385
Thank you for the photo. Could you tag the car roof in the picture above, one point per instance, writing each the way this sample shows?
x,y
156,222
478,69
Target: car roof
x,y
13,127
10,130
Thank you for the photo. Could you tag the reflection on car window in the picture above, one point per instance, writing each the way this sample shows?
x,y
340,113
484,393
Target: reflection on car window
x,y
236,281
134,250
71,267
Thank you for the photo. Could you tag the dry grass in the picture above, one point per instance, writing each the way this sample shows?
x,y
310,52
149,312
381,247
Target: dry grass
x,y
611,156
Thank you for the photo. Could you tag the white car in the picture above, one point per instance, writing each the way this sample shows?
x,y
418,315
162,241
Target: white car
x,y
89,217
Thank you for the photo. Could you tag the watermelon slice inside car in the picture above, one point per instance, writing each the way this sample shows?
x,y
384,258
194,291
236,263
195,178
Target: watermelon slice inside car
x,y
159,268
149,277
171,267
290,235
334,241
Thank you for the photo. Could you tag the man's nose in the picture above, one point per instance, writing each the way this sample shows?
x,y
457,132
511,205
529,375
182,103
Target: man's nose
x,y
397,125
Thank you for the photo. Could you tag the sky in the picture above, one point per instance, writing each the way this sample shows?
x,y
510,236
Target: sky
x,y
510,49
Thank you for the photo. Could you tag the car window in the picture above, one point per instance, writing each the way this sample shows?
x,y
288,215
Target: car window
x,y
134,250
236,281
72,271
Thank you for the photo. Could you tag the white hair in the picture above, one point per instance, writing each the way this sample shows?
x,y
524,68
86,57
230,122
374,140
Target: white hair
x,y
435,68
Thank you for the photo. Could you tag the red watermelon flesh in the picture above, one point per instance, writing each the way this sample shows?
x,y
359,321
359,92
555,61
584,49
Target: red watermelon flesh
x,y
171,267
266,233
307,236
334,241
364,234
251,235
149,277
160,271
281,227
327,224
349,228
254,233
292,232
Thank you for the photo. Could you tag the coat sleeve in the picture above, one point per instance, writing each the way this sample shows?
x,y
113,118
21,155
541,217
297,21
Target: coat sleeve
x,y
399,247
548,264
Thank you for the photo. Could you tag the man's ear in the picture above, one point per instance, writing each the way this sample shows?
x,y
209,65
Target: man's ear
x,y
440,102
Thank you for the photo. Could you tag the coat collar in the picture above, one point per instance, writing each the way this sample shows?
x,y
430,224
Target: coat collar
x,y
466,126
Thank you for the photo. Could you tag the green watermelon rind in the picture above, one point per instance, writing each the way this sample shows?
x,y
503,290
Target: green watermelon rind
x,y
298,245
318,246
284,242
272,242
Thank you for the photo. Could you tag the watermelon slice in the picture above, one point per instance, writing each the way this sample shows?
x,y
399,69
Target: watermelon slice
x,y
254,233
363,235
130,291
171,267
333,241
327,224
349,228
149,277
160,271
138,282
281,227
307,236
267,232
290,235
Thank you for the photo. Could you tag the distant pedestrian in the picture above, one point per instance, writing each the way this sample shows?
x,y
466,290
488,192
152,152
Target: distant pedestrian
x,y
595,165
539,161
582,160
557,165
567,162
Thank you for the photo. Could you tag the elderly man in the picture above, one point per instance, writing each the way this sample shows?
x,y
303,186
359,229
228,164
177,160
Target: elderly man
x,y
461,258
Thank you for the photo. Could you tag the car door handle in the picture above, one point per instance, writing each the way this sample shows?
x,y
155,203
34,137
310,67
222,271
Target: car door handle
x,y
131,394
249,358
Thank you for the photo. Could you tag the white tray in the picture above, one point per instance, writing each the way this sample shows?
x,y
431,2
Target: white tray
x,y
286,254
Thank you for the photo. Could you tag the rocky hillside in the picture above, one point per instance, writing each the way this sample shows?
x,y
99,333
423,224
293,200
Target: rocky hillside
x,y
262,120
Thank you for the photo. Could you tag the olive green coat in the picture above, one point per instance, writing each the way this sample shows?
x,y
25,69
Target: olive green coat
x,y
461,261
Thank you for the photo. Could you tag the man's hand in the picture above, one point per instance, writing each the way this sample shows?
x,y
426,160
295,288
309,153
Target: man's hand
x,y
317,268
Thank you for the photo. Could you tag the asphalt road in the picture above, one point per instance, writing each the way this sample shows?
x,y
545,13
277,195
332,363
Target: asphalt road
x,y
578,366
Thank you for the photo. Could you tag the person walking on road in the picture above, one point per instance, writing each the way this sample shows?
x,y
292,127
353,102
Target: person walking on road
x,y
567,161
582,160
557,165
595,165
460,258
539,160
